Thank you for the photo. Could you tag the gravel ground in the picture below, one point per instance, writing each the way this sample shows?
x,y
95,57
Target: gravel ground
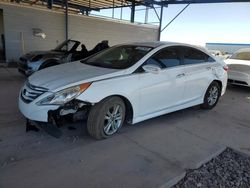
x,y
228,170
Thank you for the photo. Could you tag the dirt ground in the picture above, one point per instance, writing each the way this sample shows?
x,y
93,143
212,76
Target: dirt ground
x,y
153,153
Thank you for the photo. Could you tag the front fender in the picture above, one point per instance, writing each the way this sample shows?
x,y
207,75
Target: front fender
x,y
124,86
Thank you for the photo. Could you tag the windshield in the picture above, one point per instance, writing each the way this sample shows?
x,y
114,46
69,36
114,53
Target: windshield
x,y
118,57
67,45
241,56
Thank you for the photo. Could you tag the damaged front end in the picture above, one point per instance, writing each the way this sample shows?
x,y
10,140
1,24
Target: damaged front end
x,y
74,110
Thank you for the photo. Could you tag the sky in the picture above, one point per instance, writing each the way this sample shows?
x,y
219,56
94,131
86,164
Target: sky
x,y
199,23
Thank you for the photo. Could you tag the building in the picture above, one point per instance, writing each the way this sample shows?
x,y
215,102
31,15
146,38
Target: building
x,y
18,22
226,47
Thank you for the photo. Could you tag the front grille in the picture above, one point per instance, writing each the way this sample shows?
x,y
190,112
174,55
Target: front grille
x,y
30,92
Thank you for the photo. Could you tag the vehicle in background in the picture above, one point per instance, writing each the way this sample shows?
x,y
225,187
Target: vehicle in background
x,y
219,54
239,67
63,53
131,82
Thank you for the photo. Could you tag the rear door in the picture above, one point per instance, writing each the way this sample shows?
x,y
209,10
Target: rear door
x,y
165,89
198,73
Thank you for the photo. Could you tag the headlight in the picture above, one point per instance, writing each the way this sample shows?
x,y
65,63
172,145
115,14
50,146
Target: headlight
x,y
36,58
64,96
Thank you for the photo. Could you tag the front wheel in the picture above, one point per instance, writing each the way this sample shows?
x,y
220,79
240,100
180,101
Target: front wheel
x,y
106,117
212,96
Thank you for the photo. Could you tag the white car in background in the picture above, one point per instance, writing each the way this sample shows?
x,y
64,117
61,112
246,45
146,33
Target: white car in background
x,y
130,82
239,67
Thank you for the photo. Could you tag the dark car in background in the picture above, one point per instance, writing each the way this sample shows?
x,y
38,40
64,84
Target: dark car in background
x,y
65,52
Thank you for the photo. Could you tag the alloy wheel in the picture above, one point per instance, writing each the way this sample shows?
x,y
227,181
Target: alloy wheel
x,y
113,119
213,95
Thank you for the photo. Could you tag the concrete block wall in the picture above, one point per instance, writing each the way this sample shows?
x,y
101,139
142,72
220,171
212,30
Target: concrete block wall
x,y
20,20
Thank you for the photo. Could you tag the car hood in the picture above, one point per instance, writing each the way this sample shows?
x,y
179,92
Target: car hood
x,y
70,74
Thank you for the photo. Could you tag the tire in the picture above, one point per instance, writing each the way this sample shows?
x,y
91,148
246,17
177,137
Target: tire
x,y
212,96
106,118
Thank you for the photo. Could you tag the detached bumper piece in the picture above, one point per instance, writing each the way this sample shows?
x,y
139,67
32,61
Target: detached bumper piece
x,y
49,128
56,118
52,130
30,126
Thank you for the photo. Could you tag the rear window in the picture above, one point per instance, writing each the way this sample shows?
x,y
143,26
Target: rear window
x,y
194,56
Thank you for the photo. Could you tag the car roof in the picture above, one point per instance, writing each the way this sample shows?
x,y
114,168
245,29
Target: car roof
x,y
156,44
153,44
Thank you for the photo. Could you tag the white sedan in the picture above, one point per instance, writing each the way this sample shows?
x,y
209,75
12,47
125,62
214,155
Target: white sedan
x,y
239,67
129,82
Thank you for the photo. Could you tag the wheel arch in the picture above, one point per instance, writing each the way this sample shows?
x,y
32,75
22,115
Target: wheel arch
x,y
219,82
129,107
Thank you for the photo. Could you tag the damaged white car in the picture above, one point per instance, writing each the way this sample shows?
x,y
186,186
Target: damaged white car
x,y
239,67
129,82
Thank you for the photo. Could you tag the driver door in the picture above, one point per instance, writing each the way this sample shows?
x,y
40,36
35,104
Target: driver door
x,y
163,90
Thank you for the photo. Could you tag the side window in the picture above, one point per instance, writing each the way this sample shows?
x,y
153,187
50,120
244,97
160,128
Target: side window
x,y
169,57
194,56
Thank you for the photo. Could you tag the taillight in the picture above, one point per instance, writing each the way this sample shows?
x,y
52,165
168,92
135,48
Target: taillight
x,y
225,67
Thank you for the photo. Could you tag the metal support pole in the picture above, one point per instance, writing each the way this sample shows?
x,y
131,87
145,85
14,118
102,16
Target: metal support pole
x,y
66,20
175,17
121,13
113,10
132,18
49,4
121,10
146,15
87,11
156,13
160,23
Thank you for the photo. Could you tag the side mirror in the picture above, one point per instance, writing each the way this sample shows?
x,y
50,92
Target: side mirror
x,y
155,69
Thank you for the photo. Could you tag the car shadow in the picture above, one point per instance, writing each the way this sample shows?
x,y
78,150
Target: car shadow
x,y
238,88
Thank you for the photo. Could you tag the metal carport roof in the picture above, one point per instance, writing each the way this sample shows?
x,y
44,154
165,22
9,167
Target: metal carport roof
x,y
85,6
105,4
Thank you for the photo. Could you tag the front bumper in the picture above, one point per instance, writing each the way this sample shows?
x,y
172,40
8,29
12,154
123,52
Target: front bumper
x,y
34,112
27,68
50,128
23,68
25,72
238,78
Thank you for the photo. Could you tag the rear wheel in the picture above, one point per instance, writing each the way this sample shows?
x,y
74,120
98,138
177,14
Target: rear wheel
x,y
212,96
106,117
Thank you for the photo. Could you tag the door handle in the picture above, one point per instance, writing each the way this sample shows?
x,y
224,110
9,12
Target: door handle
x,y
180,75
